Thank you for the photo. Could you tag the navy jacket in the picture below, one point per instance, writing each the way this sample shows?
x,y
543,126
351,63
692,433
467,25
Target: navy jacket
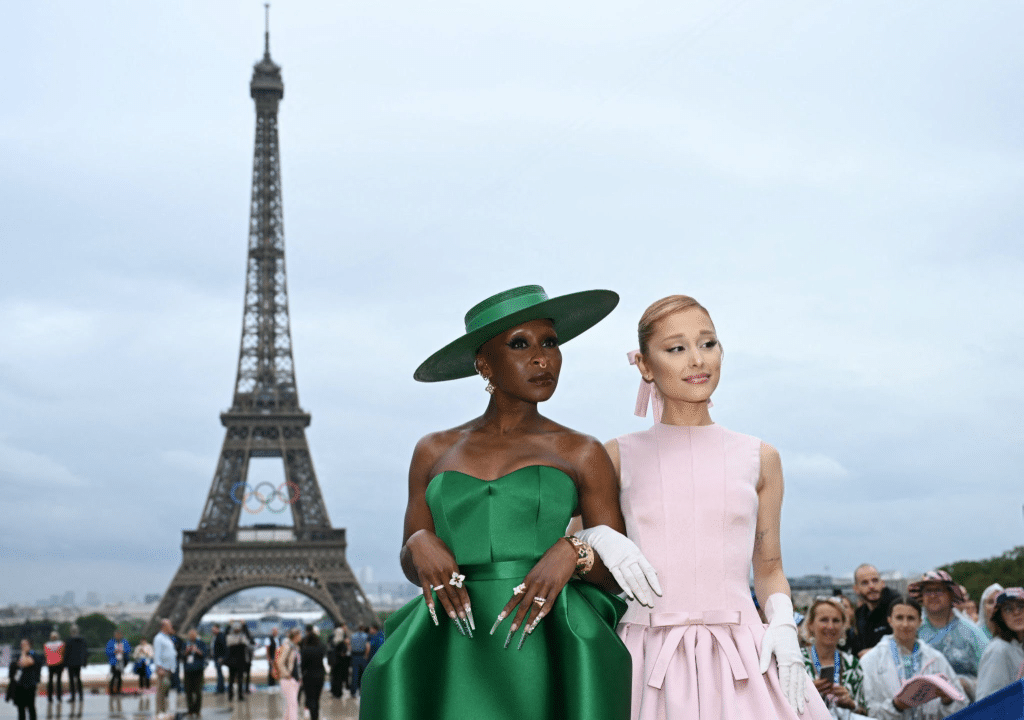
x,y
76,652
195,659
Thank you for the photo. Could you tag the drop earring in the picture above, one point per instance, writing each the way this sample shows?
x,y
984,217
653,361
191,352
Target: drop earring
x,y
489,388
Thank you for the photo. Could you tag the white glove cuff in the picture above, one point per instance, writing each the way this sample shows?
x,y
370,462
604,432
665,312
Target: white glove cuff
x,y
778,608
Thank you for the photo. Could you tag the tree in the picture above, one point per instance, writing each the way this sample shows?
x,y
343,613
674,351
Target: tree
x,y
976,575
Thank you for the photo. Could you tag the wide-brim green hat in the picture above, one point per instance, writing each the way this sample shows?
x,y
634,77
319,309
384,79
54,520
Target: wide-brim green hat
x,y
571,314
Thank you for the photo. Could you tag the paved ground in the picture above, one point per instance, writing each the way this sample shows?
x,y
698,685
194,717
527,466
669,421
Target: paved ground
x,y
260,705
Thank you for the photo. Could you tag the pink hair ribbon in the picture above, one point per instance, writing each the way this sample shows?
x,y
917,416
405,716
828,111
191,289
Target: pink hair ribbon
x,y
647,394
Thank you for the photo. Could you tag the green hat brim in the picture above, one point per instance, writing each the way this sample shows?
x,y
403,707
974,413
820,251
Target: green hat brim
x,y
572,315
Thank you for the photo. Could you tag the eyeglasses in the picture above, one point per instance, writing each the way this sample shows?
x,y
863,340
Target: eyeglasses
x,y
934,591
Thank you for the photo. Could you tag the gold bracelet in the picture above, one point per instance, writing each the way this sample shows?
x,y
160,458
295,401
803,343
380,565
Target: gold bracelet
x,y
584,555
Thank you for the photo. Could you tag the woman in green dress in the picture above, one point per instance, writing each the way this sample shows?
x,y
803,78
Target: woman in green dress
x,y
489,502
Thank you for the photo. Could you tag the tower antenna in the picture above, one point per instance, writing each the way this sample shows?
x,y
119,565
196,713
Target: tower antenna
x,y
266,29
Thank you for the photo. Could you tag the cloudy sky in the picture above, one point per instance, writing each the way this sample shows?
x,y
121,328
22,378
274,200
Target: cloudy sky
x,y
839,183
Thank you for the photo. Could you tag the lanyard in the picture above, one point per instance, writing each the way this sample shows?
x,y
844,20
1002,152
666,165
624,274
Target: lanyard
x,y
915,659
817,664
937,637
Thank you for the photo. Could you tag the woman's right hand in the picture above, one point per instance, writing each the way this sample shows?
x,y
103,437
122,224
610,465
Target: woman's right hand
x,y
823,686
439,573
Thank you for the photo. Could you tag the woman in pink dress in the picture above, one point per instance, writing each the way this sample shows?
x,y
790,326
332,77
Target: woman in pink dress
x,y
703,503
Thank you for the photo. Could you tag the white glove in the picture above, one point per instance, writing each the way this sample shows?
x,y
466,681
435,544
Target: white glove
x,y
623,558
780,639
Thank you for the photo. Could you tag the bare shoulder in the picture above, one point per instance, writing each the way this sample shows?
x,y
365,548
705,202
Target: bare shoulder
x,y
432,447
769,456
612,448
771,467
574,445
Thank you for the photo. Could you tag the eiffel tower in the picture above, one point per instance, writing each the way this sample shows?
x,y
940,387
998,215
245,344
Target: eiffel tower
x,y
220,558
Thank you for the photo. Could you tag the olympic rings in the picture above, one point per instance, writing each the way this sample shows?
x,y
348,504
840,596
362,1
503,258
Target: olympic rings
x,y
265,500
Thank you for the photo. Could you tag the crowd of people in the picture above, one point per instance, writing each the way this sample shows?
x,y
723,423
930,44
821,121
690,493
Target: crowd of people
x,y
860,658
179,663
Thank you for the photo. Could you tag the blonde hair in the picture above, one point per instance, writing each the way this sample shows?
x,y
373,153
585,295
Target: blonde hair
x,y
836,604
660,310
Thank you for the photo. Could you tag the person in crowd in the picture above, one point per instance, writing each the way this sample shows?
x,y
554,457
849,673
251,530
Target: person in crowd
x,y
143,657
271,656
485,534
23,678
165,657
871,614
339,660
118,651
250,652
704,504
237,644
375,639
54,650
1003,660
849,641
970,609
289,673
219,649
359,654
988,604
76,656
961,641
196,654
836,674
179,650
899,657
311,655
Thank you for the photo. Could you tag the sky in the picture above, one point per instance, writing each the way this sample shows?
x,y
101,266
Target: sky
x,y
838,183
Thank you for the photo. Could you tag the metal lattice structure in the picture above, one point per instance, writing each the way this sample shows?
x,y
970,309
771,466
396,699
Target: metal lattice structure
x,y
265,420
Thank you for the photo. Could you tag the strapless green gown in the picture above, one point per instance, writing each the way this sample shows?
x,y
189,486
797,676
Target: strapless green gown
x,y
573,666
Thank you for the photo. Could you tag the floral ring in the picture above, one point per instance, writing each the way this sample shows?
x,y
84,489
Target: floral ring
x,y
456,579
519,589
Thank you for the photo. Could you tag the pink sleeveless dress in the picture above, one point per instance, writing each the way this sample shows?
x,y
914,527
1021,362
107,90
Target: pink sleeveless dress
x,y
689,497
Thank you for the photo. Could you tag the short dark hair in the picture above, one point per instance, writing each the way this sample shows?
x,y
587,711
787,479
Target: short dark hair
x,y
904,600
311,638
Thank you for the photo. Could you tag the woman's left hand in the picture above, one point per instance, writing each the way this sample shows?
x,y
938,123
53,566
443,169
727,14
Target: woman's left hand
x,y
842,697
532,600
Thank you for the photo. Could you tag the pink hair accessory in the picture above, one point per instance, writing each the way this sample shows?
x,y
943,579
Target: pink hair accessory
x,y
648,394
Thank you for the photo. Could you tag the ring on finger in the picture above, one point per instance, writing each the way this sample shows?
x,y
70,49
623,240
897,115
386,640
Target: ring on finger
x,y
540,601
519,589
456,579
435,588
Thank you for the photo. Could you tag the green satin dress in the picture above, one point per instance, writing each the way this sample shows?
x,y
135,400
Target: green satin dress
x,y
572,667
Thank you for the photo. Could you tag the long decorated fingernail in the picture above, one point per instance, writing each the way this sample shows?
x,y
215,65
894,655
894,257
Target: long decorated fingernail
x,y
433,614
455,619
469,613
509,638
501,616
522,638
